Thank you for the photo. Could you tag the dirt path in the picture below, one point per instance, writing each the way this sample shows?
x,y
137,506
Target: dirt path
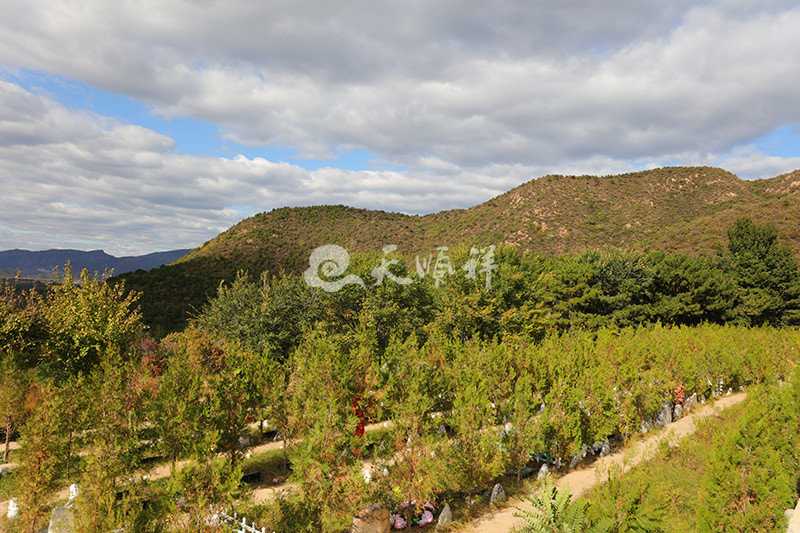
x,y
582,480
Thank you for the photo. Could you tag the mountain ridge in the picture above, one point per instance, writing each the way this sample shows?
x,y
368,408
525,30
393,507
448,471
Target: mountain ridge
x,y
672,209
42,263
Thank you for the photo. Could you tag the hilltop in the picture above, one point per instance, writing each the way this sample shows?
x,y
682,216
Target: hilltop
x,y
675,209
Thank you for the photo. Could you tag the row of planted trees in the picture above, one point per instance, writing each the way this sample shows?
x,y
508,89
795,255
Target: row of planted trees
x,y
505,372
189,398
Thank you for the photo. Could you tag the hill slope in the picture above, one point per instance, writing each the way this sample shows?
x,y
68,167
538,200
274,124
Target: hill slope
x,y
678,209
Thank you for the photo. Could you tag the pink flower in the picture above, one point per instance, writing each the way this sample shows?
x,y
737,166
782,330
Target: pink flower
x,y
426,518
398,522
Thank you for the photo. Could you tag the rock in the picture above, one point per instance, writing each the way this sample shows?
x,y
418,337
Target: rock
x,y
690,403
677,412
62,520
372,519
574,462
13,509
73,493
445,517
498,494
730,391
244,440
645,426
4,471
543,472
702,399
605,448
664,416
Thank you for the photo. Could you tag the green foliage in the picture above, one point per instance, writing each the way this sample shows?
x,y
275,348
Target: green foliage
x,y
752,475
85,320
624,507
554,511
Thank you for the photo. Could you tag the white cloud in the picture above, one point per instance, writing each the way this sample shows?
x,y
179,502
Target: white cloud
x,y
472,97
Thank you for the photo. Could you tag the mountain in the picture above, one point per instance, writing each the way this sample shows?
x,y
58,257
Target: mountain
x,y
42,263
675,209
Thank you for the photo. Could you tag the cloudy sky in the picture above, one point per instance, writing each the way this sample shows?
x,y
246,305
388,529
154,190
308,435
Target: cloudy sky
x,y
152,125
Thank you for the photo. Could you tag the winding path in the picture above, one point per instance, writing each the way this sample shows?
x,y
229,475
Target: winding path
x,y
582,480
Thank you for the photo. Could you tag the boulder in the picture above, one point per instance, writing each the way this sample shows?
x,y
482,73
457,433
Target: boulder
x,y
62,520
645,426
690,403
445,517
664,416
543,472
498,494
574,462
372,519
677,412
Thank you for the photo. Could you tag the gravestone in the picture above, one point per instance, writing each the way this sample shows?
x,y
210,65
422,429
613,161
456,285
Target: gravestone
x,y
73,493
690,403
372,519
664,416
62,520
543,472
605,448
244,440
13,509
445,517
498,494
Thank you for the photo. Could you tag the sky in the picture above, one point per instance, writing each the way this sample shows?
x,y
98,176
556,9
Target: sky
x,y
143,126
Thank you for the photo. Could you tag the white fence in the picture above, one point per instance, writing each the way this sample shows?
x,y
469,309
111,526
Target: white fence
x,y
237,524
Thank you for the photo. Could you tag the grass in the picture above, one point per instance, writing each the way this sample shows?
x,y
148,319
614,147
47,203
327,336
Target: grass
x,y
674,475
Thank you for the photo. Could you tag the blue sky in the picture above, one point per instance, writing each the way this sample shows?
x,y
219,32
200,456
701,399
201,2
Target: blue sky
x,y
138,130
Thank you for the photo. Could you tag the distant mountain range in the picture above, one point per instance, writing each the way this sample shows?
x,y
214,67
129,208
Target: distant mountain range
x,y
41,264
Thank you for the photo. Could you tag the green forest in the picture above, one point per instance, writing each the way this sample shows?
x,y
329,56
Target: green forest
x,y
403,394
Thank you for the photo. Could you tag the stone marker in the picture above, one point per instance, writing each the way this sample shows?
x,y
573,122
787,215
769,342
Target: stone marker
x,y
62,520
664,416
543,472
13,509
498,494
244,440
372,519
445,517
690,403
605,448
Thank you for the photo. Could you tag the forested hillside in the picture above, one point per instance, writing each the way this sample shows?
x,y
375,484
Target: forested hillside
x,y
681,210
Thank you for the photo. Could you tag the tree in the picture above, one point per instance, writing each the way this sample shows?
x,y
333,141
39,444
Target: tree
x,y
43,445
767,274
84,320
14,387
